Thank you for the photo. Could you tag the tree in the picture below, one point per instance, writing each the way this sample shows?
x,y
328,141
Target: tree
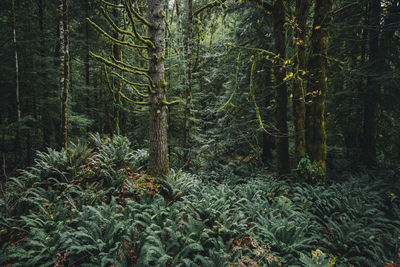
x,y
154,90
64,68
372,89
317,85
14,25
300,69
188,80
282,140
158,150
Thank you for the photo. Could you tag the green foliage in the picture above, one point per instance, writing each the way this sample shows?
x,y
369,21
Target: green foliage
x,y
318,259
212,219
309,171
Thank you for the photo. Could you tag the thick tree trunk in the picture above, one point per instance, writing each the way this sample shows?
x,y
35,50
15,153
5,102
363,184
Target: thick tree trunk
x,y
188,89
158,160
300,66
371,94
282,141
64,69
317,86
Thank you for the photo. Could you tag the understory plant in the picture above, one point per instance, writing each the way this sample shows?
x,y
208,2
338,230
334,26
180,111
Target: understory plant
x,y
92,205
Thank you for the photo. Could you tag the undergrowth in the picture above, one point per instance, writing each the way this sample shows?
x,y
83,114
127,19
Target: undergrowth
x,y
91,205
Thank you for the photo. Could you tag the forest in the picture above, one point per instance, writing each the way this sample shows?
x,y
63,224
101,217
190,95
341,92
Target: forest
x,y
200,133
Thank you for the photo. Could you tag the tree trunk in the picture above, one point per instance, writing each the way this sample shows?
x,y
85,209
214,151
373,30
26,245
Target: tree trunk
x,y
268,139
317,86
300,66
14,30
158,158
282,142
64,69
108,127
371,94
87,57
18,145
117,53
179,22
188,89
46,122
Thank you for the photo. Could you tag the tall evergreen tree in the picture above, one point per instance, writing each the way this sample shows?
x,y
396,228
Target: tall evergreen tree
x,y
317,85
64,68
188,80
281,97
158,150
371,93
300,69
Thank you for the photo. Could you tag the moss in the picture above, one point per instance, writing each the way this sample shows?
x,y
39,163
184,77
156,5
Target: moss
x,y
160,14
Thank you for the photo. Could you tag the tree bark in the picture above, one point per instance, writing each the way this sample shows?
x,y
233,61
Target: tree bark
x,y
64,69
117,54
188,82
282,142
14,31
268,139
300,67
18,145
46,123
179,22
87,57
317,86
158,151
371,93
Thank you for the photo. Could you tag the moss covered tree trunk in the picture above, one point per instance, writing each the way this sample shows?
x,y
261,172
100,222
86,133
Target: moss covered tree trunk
x,y
158,160
281,99
300,66
64,69
371,93
317,85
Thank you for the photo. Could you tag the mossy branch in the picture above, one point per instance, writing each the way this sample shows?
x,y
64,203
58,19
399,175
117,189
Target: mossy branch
x,y
209,5
112,39
174,102
114,26
140,103
139,70
132,13
132,84
111,4
171,67
236,85
253,97
144,40
108,82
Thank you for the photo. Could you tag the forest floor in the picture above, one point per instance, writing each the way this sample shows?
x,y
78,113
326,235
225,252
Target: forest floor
x,y
92,205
